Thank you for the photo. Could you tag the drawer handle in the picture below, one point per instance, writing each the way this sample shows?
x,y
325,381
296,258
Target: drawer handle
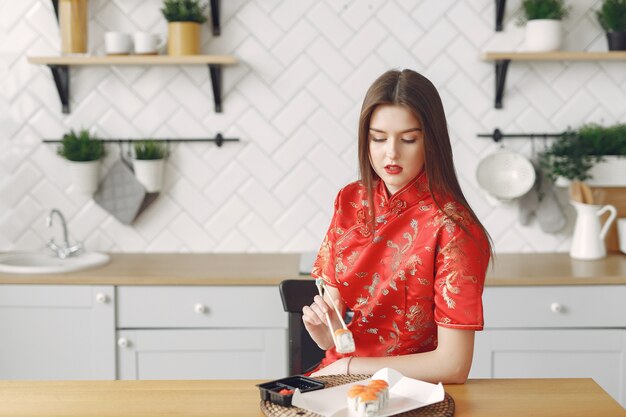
x,y
200,308
123,342
102,298
557,308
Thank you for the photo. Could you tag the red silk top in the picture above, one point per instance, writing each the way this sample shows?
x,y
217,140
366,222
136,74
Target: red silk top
x,y
420,271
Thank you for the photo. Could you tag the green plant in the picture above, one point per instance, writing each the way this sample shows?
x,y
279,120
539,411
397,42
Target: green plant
x,y
149,150
572,155
543,9
612,15
184,11
81,147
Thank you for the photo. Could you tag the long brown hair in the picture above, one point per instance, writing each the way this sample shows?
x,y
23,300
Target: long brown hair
x,y
417,94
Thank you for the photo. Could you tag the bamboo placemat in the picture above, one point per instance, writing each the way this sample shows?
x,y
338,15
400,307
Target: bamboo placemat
x,y
444,408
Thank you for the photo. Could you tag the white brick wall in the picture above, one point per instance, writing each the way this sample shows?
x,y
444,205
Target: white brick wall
x,y
293,100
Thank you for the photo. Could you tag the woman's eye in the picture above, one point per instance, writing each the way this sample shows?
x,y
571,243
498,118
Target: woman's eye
x,y
409,140
378,139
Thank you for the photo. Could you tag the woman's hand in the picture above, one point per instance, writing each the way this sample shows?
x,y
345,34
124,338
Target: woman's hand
x,y
314,319
339,367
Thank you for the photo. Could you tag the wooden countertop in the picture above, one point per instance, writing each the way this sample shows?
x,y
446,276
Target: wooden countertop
x,y
233,398
271,269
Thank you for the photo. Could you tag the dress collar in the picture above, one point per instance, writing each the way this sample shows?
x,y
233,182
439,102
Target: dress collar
x,y
412,193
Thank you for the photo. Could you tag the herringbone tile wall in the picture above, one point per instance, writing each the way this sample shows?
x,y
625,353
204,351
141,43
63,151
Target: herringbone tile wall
x,y
293,100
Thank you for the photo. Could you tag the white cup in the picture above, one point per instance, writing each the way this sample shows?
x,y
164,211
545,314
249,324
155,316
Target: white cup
x,y
147,43
621,234
117,43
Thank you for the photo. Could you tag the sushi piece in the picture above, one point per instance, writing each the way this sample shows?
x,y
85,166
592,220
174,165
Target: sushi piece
x,y
368,400
344,341
368,404
353,397
382,388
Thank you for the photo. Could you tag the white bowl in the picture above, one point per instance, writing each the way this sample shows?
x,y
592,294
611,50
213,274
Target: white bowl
x,y
505,175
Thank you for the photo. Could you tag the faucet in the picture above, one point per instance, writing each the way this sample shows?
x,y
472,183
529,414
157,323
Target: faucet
x,y
64,250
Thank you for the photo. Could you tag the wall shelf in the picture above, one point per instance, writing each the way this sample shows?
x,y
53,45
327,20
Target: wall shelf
x,y
502,60
59,66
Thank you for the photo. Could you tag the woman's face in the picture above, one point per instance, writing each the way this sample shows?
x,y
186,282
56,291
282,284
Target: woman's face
x,y
396,145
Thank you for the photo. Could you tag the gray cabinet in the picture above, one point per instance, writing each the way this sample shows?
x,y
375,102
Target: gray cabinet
x,y
207,332
57,332
554,332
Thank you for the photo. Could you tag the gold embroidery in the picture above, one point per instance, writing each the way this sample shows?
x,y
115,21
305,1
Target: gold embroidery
x,y
416,317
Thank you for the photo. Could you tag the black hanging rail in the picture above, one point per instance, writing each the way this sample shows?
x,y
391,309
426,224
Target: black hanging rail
x,y
497,135
218,139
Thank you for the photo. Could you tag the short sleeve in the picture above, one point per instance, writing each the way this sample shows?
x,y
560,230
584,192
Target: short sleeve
x,y
324,265
460,267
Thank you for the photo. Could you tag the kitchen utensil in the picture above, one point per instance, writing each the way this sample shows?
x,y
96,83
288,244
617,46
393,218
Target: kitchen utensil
x,y
599,196
575,192
343,339
587,194
589,234
505,175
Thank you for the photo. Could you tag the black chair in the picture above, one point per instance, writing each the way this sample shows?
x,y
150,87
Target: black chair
x,y
304,354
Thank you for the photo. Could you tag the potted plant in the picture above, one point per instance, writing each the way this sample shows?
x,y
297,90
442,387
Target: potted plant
x,y
149,164
594,153
612,18
84,152
543,24
185,18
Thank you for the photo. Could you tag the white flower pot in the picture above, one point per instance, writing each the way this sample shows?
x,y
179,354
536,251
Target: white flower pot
x,y
150,173
543,35
85,175
609,173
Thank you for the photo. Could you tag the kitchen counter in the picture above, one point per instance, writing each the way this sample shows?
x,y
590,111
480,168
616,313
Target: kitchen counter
x,y
271,269
482,397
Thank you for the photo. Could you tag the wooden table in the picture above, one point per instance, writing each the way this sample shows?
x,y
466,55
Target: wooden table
x,y
485,398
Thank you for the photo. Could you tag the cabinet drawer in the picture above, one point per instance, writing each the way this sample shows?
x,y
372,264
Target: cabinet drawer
x,y
555,306
199,307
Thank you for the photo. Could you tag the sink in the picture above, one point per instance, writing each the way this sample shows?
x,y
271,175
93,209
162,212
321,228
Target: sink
x,y
43,263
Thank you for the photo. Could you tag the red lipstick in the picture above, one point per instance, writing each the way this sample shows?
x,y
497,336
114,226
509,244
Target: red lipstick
x,y
393,169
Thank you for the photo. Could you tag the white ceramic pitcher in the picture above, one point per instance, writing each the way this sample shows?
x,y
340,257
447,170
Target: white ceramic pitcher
x,y
589,234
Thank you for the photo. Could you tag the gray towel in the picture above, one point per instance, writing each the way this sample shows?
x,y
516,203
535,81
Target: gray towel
x,y
542,202
120,193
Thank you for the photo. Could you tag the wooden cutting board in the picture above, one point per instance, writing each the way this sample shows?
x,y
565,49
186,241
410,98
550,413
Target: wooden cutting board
x,y
617,197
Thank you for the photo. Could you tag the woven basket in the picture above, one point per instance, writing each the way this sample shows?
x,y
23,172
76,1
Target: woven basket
x,y
444,408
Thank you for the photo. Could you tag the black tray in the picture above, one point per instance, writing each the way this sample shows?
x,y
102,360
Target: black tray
x,y
269,390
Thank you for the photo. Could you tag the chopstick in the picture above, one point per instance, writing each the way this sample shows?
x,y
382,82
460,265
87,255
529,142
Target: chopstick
x,y
320,286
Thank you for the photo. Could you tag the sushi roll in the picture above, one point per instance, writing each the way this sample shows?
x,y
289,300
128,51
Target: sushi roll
x,y
382,388
353,397
344,341
368,404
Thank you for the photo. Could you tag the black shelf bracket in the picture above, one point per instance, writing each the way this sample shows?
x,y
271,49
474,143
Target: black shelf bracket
x,y
215,71
55,4
215,17
502,66
500,6
61,75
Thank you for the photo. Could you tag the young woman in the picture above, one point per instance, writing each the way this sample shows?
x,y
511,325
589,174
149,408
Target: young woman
x,y
404,250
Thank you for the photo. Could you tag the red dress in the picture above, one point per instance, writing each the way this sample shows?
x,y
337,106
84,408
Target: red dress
x,y
420,271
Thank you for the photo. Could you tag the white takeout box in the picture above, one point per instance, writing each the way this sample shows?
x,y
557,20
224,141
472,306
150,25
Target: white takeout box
x,y
404,394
